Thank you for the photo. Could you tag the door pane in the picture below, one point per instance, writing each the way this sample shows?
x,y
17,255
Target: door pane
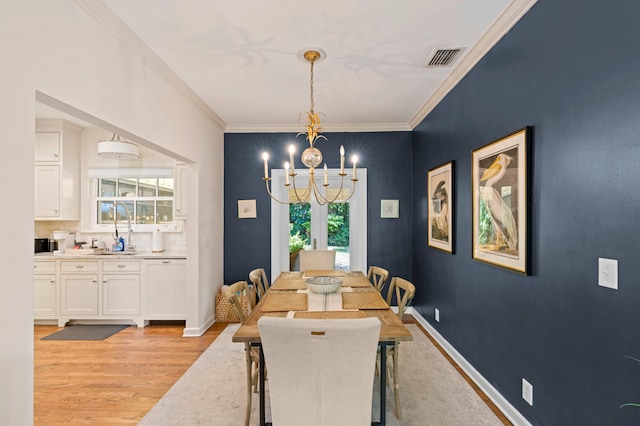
x,y
299,232
338,233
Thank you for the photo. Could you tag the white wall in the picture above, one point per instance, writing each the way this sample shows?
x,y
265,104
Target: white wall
x,y
56,47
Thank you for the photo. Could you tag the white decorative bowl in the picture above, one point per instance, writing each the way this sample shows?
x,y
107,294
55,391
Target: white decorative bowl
x,y
323,284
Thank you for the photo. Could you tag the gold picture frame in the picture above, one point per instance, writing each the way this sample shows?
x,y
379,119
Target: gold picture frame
x,y
440,198
499,182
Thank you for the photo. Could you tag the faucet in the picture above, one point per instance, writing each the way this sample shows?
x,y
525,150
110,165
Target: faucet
x,y
130,246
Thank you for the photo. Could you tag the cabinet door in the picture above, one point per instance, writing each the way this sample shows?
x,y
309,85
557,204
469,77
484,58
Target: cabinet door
x,y
47,191
120,294
181,187
44,302
47,146
79,295
166,288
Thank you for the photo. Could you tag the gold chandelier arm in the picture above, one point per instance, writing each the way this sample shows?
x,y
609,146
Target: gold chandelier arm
x,y
305,194
266,182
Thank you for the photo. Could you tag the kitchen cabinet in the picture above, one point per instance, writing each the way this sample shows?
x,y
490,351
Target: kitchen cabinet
x,y
47,191
92,289
121,288
165,289
45,293
127,288
79,292
181,187
57,170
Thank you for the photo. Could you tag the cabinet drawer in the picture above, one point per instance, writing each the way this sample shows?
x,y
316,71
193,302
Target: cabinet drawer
x,y
79,266
121,266
44,267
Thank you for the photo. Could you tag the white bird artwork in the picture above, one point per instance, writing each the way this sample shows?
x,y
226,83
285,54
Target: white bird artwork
x,y
504,223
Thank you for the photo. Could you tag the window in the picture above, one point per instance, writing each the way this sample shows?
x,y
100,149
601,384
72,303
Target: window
x,y
148,198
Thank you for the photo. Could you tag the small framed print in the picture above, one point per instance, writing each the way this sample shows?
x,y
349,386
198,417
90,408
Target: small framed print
x,y
247,209
440,195
389,209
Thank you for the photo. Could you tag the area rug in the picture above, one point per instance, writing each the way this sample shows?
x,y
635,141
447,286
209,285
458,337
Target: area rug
x,y
212,391
85,332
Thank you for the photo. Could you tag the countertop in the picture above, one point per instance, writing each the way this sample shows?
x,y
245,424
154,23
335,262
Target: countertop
x,y
69,255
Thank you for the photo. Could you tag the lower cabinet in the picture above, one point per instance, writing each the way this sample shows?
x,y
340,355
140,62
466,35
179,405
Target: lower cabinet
x,y
165,289
44,300
133,290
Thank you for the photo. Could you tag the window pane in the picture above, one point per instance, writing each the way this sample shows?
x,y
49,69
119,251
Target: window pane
x,y
165,187
147,187
107,188
122,213
165,211
126,188
145,211
104,212
338,233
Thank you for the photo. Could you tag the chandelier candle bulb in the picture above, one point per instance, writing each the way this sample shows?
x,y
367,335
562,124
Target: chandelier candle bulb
x,y
265,157
355,160
341,160
286,174
326,177
292,149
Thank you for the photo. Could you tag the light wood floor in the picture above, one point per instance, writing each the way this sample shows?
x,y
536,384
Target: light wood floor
x,y
112,381
118,380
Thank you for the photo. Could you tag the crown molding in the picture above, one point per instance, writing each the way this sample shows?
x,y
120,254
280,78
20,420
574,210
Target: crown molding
x,y
112,23
336,128
500,27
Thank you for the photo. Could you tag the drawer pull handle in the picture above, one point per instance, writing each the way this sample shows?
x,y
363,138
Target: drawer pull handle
x,y
166,261
104,281
122,266
52,281
79,266
94,281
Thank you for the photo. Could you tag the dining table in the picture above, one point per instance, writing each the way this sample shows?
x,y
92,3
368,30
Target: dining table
x,y
288,297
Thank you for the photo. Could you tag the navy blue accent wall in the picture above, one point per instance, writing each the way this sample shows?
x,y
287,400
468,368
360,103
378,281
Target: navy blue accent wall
x,y
387,158
571,70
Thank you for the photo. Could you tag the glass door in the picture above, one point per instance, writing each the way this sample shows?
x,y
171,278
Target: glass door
x,y
339,227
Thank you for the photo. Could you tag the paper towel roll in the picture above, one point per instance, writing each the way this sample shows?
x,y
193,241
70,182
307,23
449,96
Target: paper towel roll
x,y
156,241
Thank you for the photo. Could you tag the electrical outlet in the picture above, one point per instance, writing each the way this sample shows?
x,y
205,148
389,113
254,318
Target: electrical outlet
x,y
608,273
527,391
437,315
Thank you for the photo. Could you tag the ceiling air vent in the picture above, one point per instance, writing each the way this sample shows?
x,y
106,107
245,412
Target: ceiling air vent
x,y
443,57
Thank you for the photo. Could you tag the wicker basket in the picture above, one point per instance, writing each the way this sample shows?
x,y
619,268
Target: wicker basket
x,y
225,312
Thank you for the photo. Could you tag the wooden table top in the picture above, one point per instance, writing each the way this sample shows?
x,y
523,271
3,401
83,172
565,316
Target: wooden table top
x,y
391,330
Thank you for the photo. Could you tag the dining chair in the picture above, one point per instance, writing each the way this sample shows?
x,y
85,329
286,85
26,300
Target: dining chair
x,y
258,278
378,277
319,260
320,371
252,354
404,292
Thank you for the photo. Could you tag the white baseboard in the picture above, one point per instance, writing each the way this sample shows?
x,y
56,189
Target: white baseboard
x,y
197,332
503,405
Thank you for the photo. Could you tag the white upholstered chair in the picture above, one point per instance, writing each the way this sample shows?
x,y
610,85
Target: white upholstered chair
x,y
322,260
320,371
252,354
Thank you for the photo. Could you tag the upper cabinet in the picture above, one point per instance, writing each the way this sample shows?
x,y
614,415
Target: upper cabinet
x,y
57,170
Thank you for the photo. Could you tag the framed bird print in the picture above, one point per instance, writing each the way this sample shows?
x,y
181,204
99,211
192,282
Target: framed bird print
x,y
440,197
500,202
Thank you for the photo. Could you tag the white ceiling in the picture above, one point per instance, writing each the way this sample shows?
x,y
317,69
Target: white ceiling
x,y
240,57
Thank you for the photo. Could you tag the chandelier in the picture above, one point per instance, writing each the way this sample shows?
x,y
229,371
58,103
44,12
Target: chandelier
x,y
312,158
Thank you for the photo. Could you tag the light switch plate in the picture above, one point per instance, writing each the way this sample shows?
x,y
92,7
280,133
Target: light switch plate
x,y
608,273
437,315
527,391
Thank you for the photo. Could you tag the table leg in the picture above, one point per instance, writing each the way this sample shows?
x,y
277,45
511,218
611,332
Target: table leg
x,y
383,384
262,395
